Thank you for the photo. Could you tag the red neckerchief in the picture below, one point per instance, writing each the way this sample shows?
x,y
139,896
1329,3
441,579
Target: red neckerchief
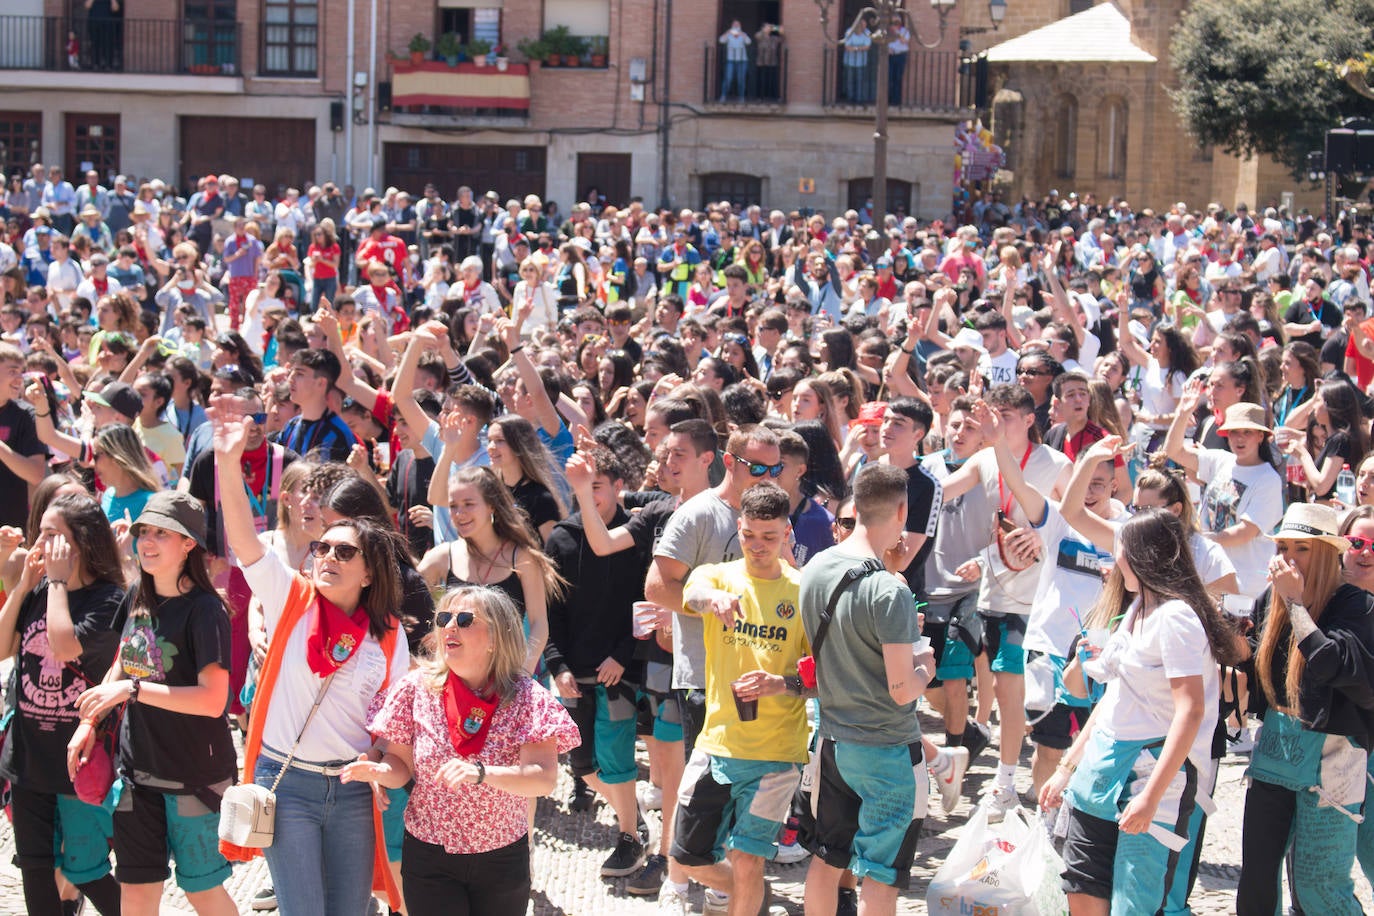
x,y
255,467
332,636
381,293
101,284
468,716
241,240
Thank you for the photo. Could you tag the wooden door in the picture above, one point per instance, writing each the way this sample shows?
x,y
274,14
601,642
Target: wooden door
x,y
278,153
609,173
21,135
92,143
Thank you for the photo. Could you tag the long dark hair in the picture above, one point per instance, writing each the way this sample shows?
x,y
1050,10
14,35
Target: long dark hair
x,y
1342,403
43,495
92,537
194,571
824,472
354,497
1182,356
1155,545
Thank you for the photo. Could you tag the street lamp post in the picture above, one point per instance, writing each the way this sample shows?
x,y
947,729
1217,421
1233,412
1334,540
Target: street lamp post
x,y
882,13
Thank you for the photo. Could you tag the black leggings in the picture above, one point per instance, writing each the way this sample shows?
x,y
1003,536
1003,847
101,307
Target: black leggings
x,y
437,883
35,826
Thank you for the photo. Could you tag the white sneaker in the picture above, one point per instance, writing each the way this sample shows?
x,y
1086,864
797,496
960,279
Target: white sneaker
x,y
715,904
672,902
999,801
650,797
951,781
1244,743
790,854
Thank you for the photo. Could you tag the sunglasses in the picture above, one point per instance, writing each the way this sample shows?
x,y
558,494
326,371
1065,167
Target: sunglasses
x,y
344,552
461,619
846,523
1358,543
1031,371
756,469
258,418
779,395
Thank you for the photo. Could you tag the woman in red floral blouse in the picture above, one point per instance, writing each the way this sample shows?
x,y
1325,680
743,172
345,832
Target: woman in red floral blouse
x,y
479,737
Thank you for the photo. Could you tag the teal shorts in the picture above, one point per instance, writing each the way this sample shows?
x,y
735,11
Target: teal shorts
x,y
725,803
870,804
1002,639
81,843
394,822
150,826
956,663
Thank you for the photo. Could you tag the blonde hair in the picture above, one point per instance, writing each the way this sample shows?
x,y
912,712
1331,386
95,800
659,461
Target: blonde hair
x,y
293,480
122,446
1322,579
508,650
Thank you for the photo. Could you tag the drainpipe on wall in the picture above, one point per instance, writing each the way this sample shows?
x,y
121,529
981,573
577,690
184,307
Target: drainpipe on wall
x,y
348,100
664,125
372,103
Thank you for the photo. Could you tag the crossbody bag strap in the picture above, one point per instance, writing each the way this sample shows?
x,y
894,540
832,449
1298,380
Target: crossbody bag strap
x,y
319,697
851,576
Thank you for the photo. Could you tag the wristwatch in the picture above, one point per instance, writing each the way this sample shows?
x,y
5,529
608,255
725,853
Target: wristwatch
x,y
134,686
792,683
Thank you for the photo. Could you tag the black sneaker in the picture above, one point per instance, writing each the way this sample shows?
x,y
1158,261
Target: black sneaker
x,y
628,856
650,878
74,907
976,739
849,902
582,797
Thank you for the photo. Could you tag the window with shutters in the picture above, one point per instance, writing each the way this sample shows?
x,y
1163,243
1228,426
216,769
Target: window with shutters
x,y
290,37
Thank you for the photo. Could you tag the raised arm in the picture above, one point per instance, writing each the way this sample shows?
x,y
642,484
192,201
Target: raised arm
x,y
1089,524
944,296
581,473
451,431
1130,348
542,409
236,515
1174,445
403,386
1031,500
48,433
1014,336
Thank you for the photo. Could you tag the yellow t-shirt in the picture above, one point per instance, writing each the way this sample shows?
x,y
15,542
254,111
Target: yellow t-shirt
x,y
770,637
165,439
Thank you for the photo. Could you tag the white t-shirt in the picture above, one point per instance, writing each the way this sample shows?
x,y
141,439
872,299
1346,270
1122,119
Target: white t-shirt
x,y
1000,369
1003,591
1070,583
1233,494
1159,391
339,729
1142,655
1210,559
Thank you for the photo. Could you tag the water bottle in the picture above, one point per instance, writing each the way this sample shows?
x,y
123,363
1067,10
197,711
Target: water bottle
x,y
1345,486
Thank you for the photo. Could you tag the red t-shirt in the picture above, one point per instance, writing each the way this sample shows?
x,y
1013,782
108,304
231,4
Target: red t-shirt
x,y
1364,367
388,249
322,270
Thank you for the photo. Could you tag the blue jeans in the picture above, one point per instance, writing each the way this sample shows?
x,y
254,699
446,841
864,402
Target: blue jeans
x,y
735,71
321,856
856,84
324,286
896,69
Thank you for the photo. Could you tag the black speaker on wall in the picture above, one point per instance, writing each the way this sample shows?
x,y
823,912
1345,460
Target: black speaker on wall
x,y
384,95
1340,151
336,116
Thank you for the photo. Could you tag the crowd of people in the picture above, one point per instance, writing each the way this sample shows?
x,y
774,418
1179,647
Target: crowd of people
x,y
464,493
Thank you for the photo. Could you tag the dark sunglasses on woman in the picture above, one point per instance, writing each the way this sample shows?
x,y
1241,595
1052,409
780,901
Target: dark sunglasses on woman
x,y
460,619
345,552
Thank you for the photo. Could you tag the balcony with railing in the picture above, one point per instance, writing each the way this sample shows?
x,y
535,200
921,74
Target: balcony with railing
x,y
753,84
163,47
929,81
431,91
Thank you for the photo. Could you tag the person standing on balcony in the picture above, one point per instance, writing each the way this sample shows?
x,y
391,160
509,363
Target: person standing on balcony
x,y
102,19
767,55
857,43
737,44
898,43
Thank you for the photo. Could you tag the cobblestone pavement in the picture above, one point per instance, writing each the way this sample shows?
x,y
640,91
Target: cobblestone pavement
x,y
569,849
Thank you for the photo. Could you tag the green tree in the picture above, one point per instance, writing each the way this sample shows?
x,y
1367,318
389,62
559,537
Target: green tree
x,y
1248,75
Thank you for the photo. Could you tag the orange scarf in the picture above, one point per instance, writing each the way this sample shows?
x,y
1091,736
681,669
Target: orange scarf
x,y
298,600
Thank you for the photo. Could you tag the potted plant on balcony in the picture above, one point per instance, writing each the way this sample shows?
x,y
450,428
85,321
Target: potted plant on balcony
x,y
596,47
477,50
532,49
419,47
448,48
498,54
557,43
574,51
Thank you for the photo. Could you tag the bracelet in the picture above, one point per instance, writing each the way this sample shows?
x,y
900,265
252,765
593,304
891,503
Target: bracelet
x,y
911,352
135,685
481,772
516,349
37,414
1066,766
90,722
61,582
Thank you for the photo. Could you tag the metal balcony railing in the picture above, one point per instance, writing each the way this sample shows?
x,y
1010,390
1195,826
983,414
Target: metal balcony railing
x,y
760,86
930,81
118,45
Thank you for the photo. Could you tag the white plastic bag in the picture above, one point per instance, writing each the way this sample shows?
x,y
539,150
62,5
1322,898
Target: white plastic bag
x,y
1009,869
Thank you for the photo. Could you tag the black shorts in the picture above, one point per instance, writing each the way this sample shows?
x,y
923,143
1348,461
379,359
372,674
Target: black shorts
x,y
1055,729
1089,855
